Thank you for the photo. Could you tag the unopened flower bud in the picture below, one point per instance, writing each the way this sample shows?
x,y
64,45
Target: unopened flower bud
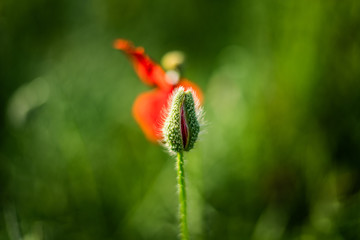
x,y
182,126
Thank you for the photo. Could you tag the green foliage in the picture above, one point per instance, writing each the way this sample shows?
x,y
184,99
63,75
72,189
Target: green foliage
x,y
279,158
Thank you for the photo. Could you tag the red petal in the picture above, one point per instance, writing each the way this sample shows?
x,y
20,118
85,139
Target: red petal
x,y
148,71
147,111
186,84
149,107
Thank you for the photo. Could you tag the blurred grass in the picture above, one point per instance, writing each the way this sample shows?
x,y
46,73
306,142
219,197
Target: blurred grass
x,y
277,160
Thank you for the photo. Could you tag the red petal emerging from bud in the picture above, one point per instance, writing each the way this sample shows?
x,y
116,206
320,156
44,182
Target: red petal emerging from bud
x,y
184,127
181,127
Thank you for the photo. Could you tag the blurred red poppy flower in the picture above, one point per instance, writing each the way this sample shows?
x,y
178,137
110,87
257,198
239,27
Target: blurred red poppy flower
x,y
149,106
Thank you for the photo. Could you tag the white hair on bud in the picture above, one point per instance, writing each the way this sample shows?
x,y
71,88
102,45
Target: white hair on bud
x,y
172,137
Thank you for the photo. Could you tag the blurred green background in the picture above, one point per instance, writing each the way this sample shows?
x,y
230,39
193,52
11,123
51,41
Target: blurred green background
x,y
278,159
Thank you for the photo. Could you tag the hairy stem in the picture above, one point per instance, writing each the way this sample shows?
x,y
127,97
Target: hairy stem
x,y
182,196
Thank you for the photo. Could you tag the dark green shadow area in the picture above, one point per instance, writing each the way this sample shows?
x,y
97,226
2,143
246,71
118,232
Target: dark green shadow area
x,y
278,157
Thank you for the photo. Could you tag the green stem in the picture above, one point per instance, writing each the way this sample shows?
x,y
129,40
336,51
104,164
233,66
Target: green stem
x,y
182,196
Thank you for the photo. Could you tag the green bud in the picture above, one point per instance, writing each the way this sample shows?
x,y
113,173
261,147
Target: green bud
x,y
181,128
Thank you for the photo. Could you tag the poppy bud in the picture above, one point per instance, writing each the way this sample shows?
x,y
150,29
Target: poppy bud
x,y
181,127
